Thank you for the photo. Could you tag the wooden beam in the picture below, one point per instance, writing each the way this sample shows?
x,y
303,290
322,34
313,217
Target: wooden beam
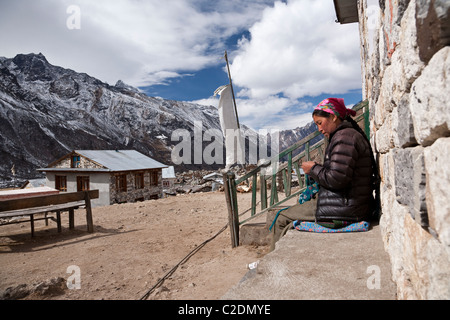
x,y
42,201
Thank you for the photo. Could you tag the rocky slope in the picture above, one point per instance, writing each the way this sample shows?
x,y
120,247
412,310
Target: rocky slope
x,y
46,111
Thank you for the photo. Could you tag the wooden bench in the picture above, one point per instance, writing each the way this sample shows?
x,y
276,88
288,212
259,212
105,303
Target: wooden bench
x,y
50,203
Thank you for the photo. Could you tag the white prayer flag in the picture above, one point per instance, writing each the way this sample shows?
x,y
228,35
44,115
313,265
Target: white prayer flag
x,y
228,121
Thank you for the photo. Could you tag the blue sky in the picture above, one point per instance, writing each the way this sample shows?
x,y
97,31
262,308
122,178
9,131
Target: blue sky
x,y
285,56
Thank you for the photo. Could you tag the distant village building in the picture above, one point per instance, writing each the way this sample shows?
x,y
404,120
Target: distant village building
x,y
119,175
168,177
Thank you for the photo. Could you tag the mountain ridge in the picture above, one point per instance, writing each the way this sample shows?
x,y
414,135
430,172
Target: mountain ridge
x,y
47,111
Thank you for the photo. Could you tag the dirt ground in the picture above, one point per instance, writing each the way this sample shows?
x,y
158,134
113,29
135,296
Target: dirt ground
x,y
133,246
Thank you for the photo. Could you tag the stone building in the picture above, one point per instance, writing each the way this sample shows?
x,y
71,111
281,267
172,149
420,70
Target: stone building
x,y
119,175
405,57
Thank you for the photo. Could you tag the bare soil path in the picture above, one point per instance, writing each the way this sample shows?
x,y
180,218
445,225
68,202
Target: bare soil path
x,y
132,247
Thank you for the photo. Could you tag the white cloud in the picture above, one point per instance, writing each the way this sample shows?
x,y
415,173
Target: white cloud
x,y
211,101
297,49
139,42
270,113
273,113
286,121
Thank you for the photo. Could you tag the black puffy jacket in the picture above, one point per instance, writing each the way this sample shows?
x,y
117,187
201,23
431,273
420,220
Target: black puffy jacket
x,y
345,177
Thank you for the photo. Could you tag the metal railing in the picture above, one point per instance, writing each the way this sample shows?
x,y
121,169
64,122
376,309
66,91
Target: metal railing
x,y
282,167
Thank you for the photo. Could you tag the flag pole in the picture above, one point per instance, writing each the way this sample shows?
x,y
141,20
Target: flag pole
x,y
232,91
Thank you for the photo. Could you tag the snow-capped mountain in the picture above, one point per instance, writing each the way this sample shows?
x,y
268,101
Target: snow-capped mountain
x,y
46,111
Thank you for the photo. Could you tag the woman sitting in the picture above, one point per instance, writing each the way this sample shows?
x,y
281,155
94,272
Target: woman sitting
x,y
346,178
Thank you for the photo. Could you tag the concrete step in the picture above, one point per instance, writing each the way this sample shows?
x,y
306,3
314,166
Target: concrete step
x,y
254,234
307,265
257,233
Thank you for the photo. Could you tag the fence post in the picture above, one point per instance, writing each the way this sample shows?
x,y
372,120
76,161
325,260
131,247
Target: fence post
x,y
231,198
254,187
263,188
90,224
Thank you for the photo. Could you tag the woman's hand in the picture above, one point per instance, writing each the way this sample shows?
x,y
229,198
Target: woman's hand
x,y
306,166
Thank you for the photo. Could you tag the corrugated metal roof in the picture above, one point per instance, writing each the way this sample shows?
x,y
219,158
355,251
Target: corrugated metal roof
x,y
85,170
168,173
121,160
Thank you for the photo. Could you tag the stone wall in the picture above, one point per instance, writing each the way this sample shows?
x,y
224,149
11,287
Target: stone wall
x,y
85,163
133,194
405,57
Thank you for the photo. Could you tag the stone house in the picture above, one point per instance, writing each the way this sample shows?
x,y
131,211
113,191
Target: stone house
x,y
405,56
119,175
168,181
168,177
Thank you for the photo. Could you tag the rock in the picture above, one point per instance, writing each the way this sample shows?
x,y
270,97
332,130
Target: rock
x,y
429,106
438,180
202,188
254,234
433,32
410,182
51,287
384,137
402,125
15,293
411,63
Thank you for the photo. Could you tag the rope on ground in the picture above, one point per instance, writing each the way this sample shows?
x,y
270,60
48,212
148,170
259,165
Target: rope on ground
x,y
186,258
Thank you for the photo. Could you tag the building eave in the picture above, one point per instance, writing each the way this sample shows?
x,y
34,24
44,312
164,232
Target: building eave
x,y
346,11
73,170
88,170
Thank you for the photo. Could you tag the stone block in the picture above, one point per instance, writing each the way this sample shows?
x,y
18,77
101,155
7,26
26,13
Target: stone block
x,y
415,273
254,234
391,29
410,182
433,27
428,99
392,225
409,51
388,89
439,270
386,167
384,137
438,179
378,113
382,59
402,124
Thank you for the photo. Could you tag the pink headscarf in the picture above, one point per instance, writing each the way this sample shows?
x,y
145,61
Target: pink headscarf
x,y
335,106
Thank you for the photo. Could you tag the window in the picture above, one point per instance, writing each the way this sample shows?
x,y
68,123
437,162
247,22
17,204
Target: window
x,y
139,180
83,183
61,183
121,183
153,178
76,162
